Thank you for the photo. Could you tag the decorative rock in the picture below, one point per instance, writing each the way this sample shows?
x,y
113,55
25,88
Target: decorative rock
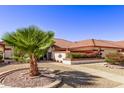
x,y
52,75
44,68
51,70
1,85
114,66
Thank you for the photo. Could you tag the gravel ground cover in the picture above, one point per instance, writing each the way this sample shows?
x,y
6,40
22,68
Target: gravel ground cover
x,y
22,79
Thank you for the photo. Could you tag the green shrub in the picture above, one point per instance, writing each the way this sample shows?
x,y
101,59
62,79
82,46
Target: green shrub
x,y
69,55
115,58
77,55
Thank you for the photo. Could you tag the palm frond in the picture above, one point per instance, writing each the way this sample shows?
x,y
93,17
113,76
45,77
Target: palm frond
x,y
30,40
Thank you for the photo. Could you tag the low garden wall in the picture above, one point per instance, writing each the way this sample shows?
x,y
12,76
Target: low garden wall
x,y
69,62
76,58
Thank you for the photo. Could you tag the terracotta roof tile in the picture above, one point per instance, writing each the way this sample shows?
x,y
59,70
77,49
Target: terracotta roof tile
x,y
94,42
62,43
120,43
84,43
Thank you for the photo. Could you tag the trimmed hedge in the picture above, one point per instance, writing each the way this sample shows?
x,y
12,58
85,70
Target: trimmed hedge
x,y
115,58
78,55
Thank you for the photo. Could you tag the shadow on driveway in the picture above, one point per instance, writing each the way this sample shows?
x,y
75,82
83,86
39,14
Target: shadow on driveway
x,y
77,79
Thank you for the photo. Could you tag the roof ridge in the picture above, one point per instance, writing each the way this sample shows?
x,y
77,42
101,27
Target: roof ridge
x,y
120,41
110,42
63,40
82,40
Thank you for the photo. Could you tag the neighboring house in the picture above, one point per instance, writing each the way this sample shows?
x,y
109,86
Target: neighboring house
x,y
2,46
5,50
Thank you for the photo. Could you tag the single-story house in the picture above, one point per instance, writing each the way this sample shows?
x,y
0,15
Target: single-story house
x,y
61,47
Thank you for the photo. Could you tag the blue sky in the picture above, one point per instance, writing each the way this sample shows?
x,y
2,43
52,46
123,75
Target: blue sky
x,y
68,22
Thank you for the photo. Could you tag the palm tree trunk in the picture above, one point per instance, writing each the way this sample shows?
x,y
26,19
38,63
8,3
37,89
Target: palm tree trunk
x,y
33,66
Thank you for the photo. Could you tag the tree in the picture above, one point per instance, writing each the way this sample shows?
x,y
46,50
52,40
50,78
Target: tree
x,y
33,42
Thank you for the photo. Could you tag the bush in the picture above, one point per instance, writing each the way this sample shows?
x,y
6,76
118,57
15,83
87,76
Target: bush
x,y
77,55
115,58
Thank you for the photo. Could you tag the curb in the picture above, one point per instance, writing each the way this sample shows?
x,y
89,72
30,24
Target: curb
x,y
54,84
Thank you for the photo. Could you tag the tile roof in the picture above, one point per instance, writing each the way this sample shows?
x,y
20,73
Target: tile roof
x,y
62,43
86,43
120,43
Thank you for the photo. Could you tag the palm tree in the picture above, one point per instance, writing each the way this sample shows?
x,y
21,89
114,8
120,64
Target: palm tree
x,y
32,41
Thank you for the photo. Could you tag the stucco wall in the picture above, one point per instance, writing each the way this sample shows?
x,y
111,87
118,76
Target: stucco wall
x,y
59,56
1,49
8,54
107,51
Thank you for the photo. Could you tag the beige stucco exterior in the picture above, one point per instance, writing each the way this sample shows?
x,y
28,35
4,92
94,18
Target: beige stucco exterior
x,y
8,54
107,51
59,56
56,54
1,49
